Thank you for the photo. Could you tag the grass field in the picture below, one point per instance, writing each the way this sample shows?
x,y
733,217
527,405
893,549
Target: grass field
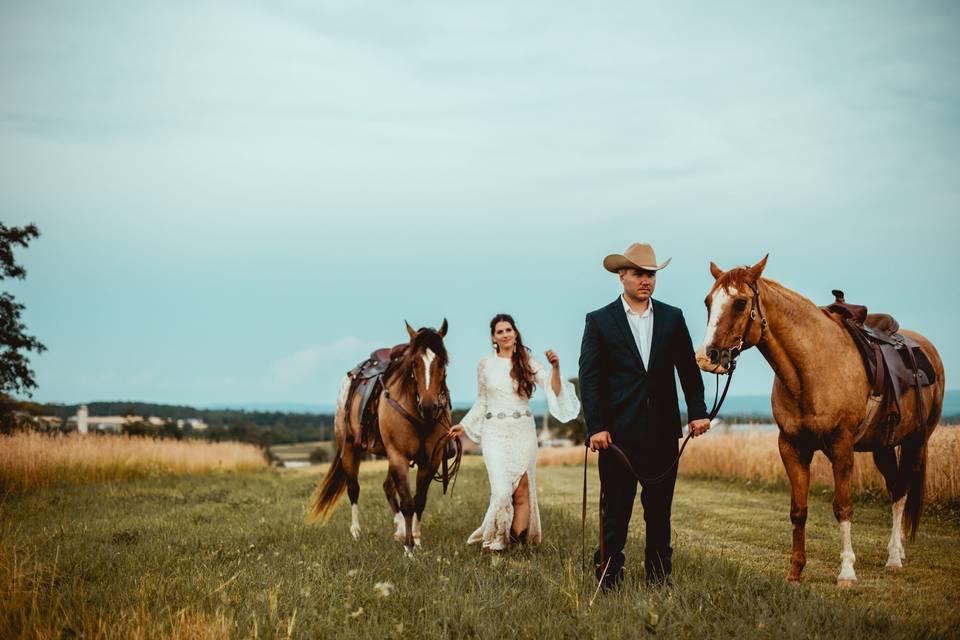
x,y
30,460
228,555
754,457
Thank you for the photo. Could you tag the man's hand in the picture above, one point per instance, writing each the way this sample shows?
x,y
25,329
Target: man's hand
x,y
698,427
600,440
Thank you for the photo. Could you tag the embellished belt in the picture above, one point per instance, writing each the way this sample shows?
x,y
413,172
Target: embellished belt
x,y
503,414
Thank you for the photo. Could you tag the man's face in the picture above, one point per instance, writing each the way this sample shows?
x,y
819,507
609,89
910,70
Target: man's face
x,y
638,284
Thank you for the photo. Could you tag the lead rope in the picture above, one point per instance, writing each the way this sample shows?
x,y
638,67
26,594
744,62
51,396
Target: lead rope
x,y
654,480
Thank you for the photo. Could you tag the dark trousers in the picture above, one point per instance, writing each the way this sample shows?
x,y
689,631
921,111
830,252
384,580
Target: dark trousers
x,y
618,489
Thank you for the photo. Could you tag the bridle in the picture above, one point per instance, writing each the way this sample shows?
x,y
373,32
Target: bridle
x,y
727,358
425,424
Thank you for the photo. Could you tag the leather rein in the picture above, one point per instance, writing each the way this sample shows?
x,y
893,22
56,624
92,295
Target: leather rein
x,y
424,425
725,357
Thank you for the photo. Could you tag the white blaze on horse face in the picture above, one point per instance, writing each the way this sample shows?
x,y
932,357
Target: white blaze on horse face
x,y
427,361
718,306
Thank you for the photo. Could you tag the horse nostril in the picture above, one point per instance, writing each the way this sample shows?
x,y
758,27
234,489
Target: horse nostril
x,y
725,359
712,354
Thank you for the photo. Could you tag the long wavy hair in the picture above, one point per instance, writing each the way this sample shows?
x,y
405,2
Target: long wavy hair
x,y
520,369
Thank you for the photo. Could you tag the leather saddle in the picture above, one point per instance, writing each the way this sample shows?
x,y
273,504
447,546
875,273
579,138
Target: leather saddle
x,y
367,379
894,363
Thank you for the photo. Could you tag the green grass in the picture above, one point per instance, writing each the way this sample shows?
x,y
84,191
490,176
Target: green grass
x,y
229,555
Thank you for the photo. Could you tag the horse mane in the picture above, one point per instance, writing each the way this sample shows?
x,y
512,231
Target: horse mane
x,y
740,276
403,357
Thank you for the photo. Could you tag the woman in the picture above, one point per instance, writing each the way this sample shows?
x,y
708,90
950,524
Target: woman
x,y
502,423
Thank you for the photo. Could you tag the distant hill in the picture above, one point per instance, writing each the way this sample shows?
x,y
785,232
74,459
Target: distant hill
x,y
750,405
284,407
759,405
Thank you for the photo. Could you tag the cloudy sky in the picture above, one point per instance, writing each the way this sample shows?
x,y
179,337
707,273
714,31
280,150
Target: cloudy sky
x,y
239,201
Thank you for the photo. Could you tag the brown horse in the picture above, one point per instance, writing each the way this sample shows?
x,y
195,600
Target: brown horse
x,y
414,418
819,400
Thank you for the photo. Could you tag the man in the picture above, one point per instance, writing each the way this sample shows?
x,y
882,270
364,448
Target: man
x,y
629,352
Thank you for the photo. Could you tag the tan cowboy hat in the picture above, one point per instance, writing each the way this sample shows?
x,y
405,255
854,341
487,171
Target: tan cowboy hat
x,y
637,256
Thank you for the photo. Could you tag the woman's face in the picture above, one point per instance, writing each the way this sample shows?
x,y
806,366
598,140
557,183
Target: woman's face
x,y
504,336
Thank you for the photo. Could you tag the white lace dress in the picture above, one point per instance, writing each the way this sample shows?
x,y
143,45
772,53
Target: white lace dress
x,y
502,423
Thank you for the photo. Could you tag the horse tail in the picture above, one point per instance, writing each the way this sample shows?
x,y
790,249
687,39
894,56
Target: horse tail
x,y
328,493
916,479
325,497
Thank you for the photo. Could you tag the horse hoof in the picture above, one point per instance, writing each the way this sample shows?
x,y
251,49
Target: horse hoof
x,y
355,532
846,583
408,552
416,542
892,566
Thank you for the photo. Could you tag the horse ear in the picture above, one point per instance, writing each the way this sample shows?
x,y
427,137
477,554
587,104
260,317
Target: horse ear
x,y
413,334
715,271
443,328
757,270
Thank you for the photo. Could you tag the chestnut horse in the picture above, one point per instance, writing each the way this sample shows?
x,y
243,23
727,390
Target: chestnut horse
x,y
820,402
414,418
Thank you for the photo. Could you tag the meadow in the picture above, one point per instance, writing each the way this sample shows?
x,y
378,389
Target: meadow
x,y
753,457
30,460
228,555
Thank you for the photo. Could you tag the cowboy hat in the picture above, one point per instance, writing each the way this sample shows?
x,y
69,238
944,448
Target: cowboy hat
x,y
637,256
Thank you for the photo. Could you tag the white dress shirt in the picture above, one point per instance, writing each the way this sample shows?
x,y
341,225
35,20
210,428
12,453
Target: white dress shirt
x,y
641,326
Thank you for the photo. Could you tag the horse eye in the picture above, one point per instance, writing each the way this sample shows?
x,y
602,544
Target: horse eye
x,y
740,304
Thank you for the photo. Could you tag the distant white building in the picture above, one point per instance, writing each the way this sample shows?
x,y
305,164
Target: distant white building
x,y
84,422
194,423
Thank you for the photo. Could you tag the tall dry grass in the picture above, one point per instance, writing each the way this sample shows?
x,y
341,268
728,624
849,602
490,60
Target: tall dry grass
x,y
32,460
754,456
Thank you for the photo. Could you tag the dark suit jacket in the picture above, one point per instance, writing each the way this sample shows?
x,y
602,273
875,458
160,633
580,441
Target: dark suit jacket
x,y
620,395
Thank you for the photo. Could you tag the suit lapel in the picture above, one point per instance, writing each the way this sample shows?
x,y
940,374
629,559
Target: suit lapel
x,y
659,331
620,319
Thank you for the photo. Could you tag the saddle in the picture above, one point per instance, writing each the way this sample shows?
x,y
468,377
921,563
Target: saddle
x,y
893,362
367,379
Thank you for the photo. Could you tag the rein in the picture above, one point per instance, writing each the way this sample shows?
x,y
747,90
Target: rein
x,y
448,470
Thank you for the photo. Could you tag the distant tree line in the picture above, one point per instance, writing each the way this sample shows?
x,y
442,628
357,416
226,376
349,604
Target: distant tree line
x,y
262,428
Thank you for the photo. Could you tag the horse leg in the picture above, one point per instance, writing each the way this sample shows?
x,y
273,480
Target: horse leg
x,y
399,472
351,466
841,458
424,477
390,489
886,461
796,461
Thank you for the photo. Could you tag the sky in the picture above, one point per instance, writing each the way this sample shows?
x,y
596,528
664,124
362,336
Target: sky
x,y
238,201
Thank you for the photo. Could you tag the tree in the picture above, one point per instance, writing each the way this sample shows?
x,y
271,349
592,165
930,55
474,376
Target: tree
x,y
16,376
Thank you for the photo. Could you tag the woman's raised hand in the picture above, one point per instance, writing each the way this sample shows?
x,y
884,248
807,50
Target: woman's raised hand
x,y
552,358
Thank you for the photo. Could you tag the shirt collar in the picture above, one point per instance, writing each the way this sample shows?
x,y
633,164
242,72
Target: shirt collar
x,y
645,314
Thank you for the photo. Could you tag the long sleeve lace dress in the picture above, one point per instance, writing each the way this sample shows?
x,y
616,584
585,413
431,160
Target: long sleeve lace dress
x,y
502,423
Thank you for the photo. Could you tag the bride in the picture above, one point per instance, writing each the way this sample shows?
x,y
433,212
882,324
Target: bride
x,y
501,422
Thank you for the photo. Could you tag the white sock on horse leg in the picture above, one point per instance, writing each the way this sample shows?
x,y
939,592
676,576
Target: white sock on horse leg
x,y
416,530
847,558
354,521
895,552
